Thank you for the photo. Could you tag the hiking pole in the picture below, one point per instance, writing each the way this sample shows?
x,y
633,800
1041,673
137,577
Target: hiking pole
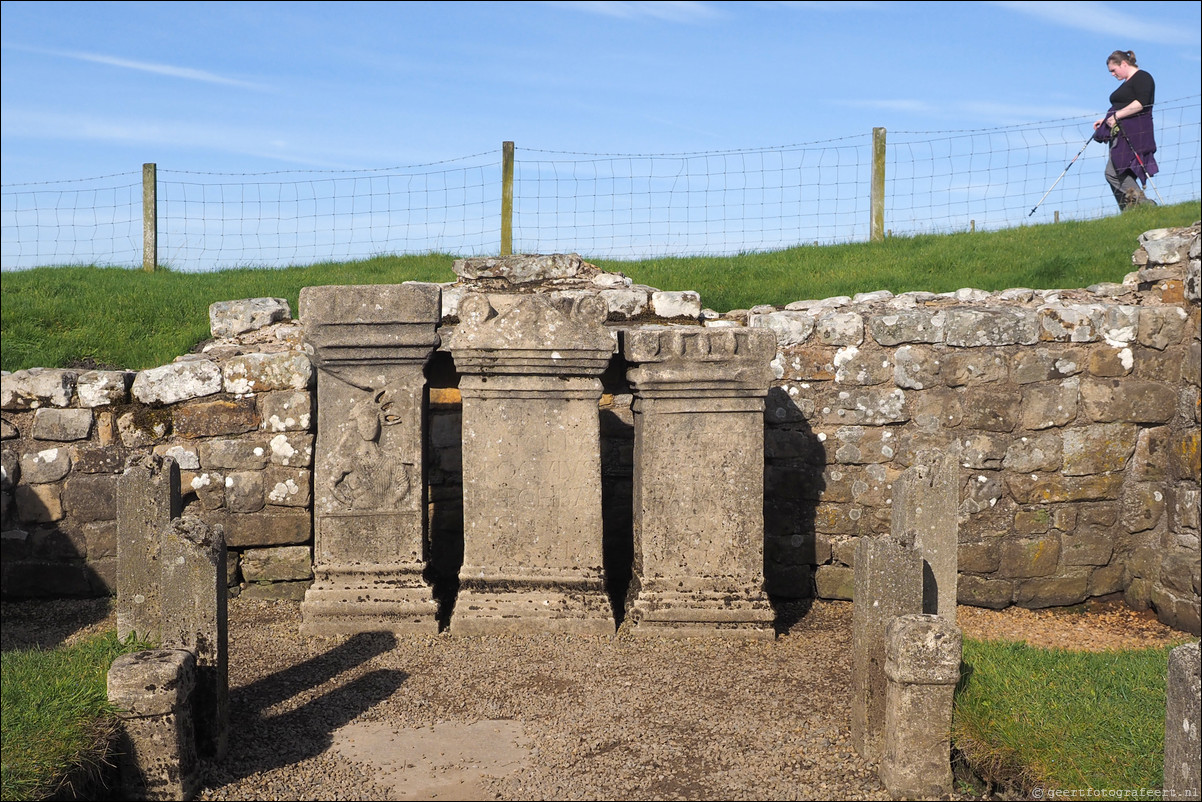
x,y
1057,181
1138,159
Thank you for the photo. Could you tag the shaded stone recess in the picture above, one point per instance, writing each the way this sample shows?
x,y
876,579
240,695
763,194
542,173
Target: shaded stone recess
x,y
370,345
698,480
1076,415
530,384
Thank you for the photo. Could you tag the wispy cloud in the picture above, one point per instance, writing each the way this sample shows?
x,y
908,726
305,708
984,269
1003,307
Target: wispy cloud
x,y
668,11
984,112
169,70
1105,19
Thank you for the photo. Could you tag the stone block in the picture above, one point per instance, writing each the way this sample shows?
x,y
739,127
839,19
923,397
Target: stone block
x,y
1029,557
90,497
907,326
979,591
981,557
1128,401
835,582
270,527
992,410
98,388
1078,323
866,406
1143,506
971,328
863,368
231,318
215,418
38,503
669,305
1031,454
245,491
281,564
245,454
1054,488
286,411
47,465
922,664
1052,591
62,425
840,329
1160,327
916,368
148,499
37,387
179,381
291,450
288,487
1045,364
261,373
1050,404
790,328
1098,449
87,459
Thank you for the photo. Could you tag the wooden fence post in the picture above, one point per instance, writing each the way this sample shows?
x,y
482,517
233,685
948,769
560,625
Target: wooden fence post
x,y
506,198
876,227
150,217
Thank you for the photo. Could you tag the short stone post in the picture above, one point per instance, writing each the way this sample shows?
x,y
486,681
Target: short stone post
x,y
530,380
699,480
923,666
370,346
157,758
148,498
888,583
1182,777
195,618
926,501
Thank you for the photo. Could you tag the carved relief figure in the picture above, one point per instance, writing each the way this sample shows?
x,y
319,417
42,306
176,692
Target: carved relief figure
x,y
365,477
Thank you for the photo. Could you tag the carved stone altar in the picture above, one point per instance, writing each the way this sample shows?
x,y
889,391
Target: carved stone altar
x,y
370,345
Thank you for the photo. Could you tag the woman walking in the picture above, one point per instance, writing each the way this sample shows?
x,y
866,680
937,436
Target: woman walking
x,y
1127,126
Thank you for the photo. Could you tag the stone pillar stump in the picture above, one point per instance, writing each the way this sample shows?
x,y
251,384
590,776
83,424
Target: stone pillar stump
x,y
699,480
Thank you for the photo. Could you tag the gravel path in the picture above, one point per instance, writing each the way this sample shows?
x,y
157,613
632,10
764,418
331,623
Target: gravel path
x,y
572,717
554,717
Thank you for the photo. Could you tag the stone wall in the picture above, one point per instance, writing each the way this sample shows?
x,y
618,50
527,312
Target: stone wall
x,y
1076,414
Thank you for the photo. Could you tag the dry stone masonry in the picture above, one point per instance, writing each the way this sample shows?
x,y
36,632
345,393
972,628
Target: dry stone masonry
x,y
1075,414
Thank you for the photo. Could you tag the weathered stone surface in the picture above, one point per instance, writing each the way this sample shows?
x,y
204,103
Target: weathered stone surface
x,y
370,345
1037,453
291,450
270,527
626,302
47,465
836,582
1052,591
62,425
90,497
288,487
179,381
207,486
1160,327
1098,449
1054,488
1128,401
143,426
244,491
286,411
1033,365
908,326
522,268
840,329
1143,506
148,499
98,388
972,328
186,457
922,664
926,502
245,454
261,373
157,752
915,367
972,367
981,592
530,387
284,564
1049,404
1029,557
790,328
194,617
866,406
670,305
1183,724
888,583
215,418
866,368
37,387
231,318
39,503
993,410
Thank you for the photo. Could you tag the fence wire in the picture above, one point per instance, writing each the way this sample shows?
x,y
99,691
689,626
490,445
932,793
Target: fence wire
x,y
618,206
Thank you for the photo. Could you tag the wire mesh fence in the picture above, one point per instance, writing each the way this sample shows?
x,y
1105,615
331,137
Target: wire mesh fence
x,y
614,206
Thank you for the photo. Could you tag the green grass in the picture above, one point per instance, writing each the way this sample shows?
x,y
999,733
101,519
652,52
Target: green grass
x,y
57,722
1028,717
126,318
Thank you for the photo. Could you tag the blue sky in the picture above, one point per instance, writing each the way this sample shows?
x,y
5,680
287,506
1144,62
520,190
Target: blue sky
x,y
95,88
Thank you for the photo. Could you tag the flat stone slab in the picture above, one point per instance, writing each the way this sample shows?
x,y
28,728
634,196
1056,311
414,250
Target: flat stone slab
x,y
445,761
